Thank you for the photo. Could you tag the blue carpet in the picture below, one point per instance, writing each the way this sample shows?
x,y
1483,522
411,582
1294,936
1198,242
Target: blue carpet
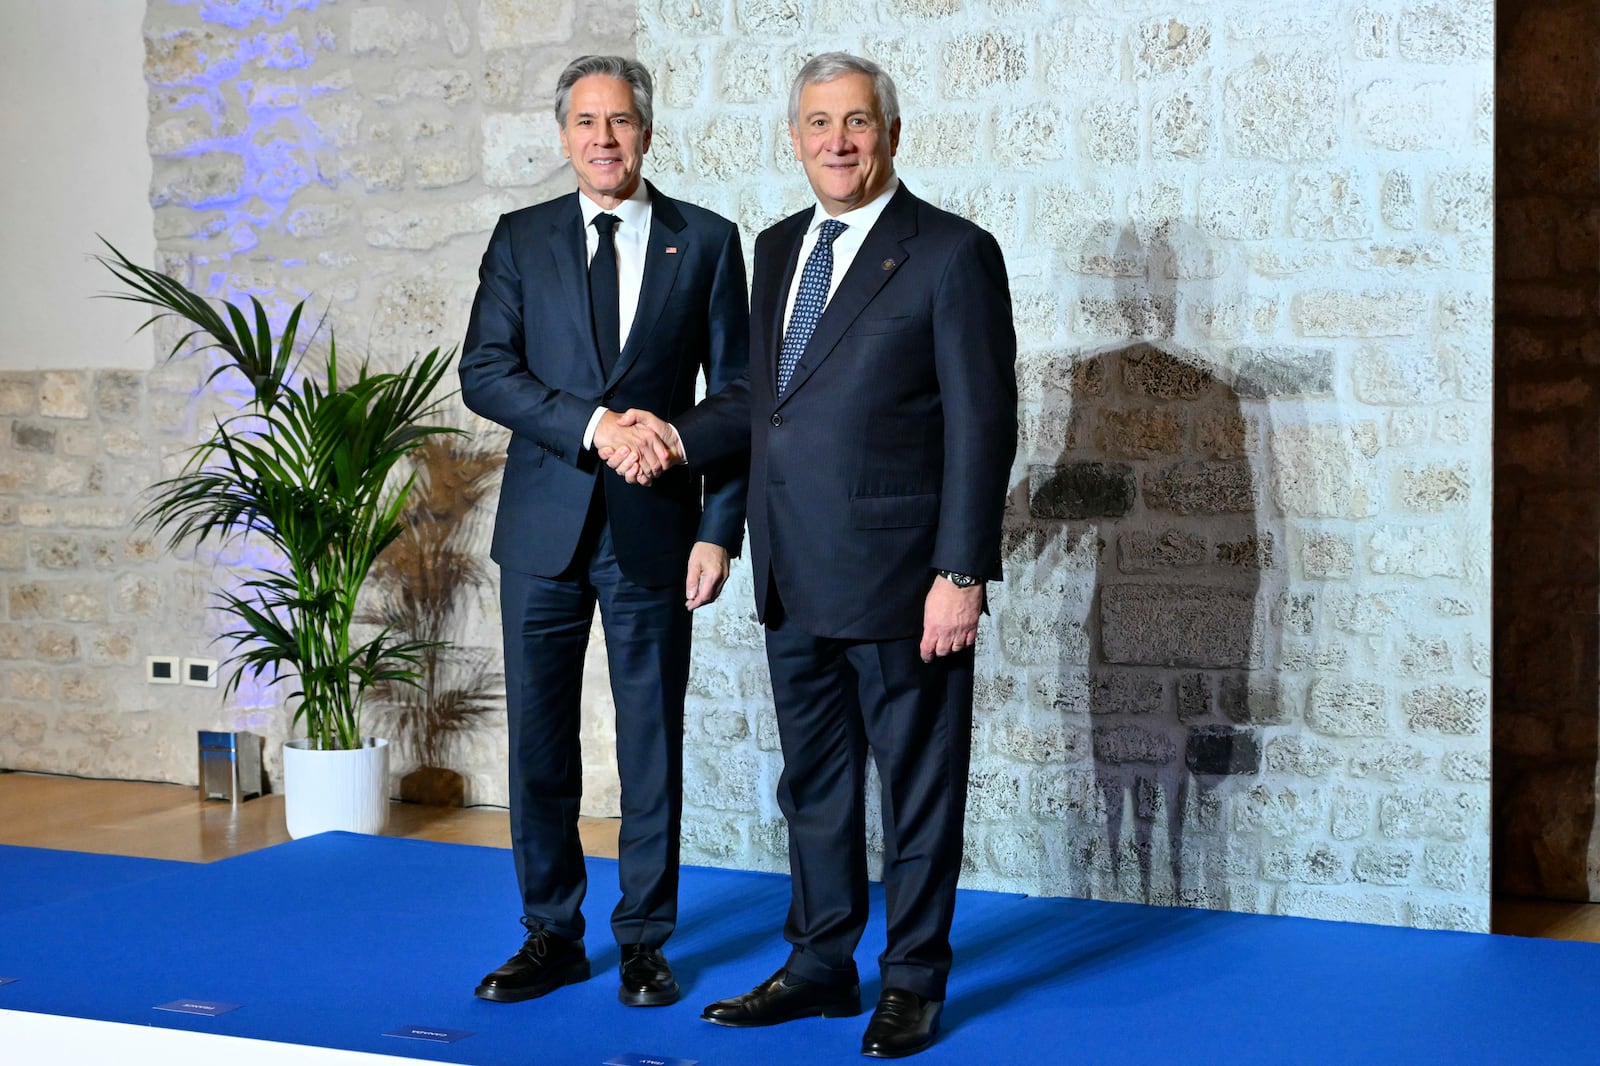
x,y
336,939
30,876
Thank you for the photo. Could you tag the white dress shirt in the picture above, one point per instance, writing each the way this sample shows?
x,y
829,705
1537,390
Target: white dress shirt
x,y
858,220
632,237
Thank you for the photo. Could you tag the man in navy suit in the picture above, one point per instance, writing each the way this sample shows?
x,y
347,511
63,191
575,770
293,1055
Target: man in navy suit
x,y
881,408
610,298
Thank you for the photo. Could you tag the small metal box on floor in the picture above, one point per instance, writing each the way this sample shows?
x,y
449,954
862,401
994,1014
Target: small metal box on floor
x,y
230,766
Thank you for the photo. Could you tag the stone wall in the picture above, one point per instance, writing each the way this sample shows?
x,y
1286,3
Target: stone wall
x,y
1547,450
1241,655
80,590
356,154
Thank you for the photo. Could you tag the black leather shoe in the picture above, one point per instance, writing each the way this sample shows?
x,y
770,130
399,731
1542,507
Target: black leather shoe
x,y
646,978
783,997
543,964
903,1024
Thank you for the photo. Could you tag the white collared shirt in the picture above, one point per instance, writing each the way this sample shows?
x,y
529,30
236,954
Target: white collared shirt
x,y
858,221
632,237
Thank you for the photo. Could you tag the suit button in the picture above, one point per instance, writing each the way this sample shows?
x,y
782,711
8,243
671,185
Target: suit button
x,y
610,393
777,420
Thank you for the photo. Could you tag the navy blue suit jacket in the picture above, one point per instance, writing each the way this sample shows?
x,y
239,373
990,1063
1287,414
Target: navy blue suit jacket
x,y
889,455
530,363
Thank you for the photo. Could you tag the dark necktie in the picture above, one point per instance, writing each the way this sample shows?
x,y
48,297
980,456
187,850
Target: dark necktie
x,y
809,301
604,296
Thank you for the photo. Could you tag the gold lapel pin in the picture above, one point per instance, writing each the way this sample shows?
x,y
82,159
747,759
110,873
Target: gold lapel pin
x,y
888,264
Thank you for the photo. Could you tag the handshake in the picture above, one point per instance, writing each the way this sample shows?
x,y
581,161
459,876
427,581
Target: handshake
x,y
637,445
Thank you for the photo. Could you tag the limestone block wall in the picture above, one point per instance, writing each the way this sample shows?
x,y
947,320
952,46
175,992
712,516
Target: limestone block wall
x,y
354,153
1241,656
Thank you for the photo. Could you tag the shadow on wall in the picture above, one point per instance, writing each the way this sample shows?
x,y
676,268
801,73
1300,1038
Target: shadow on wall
x,y
1158,489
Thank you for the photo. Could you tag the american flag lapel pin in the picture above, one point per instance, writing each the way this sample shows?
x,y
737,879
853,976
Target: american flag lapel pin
x,y
672,249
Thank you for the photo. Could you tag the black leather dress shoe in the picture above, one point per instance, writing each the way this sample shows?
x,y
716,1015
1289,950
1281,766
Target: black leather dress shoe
x,y
783,997
903,1024
543,964
646,978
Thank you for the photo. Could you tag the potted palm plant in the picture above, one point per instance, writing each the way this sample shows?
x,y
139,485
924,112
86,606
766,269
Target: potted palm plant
x,y
307,466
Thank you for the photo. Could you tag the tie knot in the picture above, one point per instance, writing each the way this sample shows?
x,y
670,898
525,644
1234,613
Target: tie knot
x,y
831,228
604,223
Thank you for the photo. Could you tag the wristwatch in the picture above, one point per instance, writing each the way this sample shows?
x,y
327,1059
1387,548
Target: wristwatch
x,y
960,581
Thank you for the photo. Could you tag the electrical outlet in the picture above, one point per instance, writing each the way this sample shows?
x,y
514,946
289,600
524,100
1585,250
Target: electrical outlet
x,y
161,670
201,673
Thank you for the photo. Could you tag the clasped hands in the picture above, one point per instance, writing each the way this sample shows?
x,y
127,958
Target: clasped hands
x,y
641,447
637,445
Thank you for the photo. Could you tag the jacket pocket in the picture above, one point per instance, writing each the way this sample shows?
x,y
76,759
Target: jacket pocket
x,y
894,512
866,327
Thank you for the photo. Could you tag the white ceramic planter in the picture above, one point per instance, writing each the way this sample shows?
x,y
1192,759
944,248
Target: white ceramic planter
x,y
335,790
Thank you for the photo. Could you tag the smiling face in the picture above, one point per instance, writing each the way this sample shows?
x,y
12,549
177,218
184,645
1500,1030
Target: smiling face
x,y
605,138
843,143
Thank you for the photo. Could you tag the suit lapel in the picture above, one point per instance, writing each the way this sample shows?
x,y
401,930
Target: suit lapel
x,y
882,255
667,227
571,255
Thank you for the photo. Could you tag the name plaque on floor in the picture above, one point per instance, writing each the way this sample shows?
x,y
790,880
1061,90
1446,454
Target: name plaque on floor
x,y
430,1032
633,1058
205,1007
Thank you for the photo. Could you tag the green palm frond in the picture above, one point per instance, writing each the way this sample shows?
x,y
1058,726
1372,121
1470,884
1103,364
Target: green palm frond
x,y
309,468
251,351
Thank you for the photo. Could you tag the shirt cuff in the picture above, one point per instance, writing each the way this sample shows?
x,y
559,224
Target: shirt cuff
x,y
594,424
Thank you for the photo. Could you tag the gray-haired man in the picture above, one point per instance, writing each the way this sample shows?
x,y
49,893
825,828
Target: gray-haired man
x,y
881,342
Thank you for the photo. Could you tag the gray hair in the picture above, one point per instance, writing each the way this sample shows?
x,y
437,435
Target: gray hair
x,y
831,65
618,67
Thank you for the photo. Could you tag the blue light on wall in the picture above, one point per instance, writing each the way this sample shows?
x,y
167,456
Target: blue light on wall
x,y
260,153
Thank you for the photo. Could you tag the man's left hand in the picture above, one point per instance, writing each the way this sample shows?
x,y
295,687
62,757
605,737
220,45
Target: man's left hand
x,y
950,618
708,570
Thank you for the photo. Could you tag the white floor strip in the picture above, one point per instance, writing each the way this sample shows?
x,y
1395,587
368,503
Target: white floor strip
x,y
28,1039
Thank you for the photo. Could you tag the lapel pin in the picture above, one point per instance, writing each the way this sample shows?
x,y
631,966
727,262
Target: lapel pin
x,y
672,249
888,264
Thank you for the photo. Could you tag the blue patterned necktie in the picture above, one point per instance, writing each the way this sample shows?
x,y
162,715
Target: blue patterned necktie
x,y
809,301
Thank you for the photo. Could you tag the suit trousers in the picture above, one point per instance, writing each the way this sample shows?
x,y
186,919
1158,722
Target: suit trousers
x,y
545,625
835,699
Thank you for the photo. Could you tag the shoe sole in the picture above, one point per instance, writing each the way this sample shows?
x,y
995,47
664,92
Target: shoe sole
x,y
569,975
896,1054
844,1010
648,999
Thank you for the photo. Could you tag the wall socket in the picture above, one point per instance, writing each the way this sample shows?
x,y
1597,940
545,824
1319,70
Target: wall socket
x,y
161,670
173,670
200,672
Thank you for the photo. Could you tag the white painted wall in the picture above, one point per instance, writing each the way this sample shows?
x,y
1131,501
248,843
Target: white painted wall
x,y
73,107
